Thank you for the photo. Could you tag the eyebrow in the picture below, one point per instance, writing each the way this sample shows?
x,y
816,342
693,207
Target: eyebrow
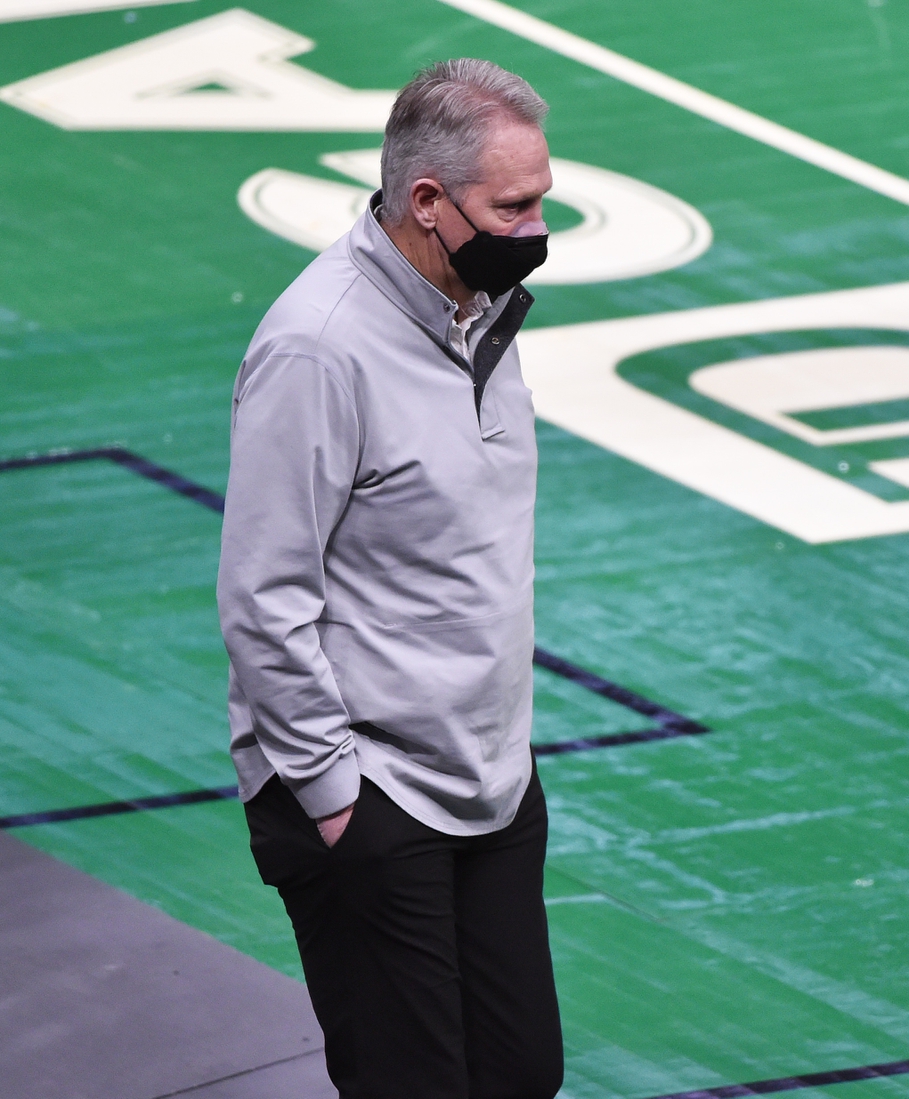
x,y
522,199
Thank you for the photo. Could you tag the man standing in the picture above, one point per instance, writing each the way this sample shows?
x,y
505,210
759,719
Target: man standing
x,y
376,602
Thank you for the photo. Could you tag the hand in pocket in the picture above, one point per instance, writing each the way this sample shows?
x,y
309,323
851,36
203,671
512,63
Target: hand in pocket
x,y
331,828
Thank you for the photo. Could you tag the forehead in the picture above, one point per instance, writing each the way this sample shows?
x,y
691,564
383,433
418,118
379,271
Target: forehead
x,y
515,157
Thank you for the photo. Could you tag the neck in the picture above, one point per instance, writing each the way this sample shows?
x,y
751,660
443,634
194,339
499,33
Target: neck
x,y
424,251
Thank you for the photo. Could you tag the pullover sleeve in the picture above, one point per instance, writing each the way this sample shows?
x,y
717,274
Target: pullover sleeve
x,y
294,454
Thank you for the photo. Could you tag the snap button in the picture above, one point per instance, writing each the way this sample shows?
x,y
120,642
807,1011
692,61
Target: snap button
x,y
495,339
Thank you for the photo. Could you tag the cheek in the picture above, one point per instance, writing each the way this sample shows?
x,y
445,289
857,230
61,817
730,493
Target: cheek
x,y
455,231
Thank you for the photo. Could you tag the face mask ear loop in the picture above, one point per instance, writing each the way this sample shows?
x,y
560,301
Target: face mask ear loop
x,y
461,212
448,251
467,219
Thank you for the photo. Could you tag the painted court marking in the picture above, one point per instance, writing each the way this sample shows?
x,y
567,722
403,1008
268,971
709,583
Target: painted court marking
x,y
573,372
686,96
629,228
227,72
776,388
669,724
230,71
794,1083
22,10
123,457
115,808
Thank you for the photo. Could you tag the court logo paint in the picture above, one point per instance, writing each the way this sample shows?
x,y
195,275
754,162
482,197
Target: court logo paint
x,y
232,72
574,371
228,72
628,228
24,10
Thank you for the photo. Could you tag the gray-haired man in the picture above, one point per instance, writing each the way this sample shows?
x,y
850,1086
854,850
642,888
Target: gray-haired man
x,y
376,602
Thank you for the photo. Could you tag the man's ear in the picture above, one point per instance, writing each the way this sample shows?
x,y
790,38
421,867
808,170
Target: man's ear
x,y
425,196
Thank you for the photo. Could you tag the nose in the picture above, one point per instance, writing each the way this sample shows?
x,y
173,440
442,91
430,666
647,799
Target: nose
x,y
529,229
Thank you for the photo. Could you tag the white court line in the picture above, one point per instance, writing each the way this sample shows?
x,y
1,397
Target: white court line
x,y
17,11
684,95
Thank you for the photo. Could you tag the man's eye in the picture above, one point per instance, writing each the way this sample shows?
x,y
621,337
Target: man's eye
x,y
516,207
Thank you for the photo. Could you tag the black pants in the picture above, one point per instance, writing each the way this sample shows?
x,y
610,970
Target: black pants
x,y
426,955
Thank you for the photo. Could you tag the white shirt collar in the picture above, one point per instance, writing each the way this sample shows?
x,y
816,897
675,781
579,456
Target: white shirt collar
x,y
473,310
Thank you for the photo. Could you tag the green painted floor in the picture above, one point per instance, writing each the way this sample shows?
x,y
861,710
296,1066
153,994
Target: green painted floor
x,y
724,908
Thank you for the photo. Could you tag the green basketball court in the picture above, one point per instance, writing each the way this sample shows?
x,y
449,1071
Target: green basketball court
x,y
720,362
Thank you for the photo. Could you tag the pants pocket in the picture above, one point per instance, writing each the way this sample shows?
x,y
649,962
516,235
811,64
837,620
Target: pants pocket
x,y
284,841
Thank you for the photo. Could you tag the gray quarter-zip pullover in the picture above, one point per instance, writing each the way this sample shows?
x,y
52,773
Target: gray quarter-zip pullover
x,y
377,558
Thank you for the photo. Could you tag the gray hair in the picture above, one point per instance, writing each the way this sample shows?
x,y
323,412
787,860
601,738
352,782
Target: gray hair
x,y
440,122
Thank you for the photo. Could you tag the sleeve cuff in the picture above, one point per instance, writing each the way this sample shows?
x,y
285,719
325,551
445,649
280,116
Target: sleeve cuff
x,y
333,790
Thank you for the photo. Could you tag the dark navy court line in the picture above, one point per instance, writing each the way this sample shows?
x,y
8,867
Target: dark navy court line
x,y
667,719
794,1083
111,808
144,468
612,740
217,793
133,462
193,797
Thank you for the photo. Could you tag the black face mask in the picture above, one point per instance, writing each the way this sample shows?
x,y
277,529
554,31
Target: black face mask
x,y
492,263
